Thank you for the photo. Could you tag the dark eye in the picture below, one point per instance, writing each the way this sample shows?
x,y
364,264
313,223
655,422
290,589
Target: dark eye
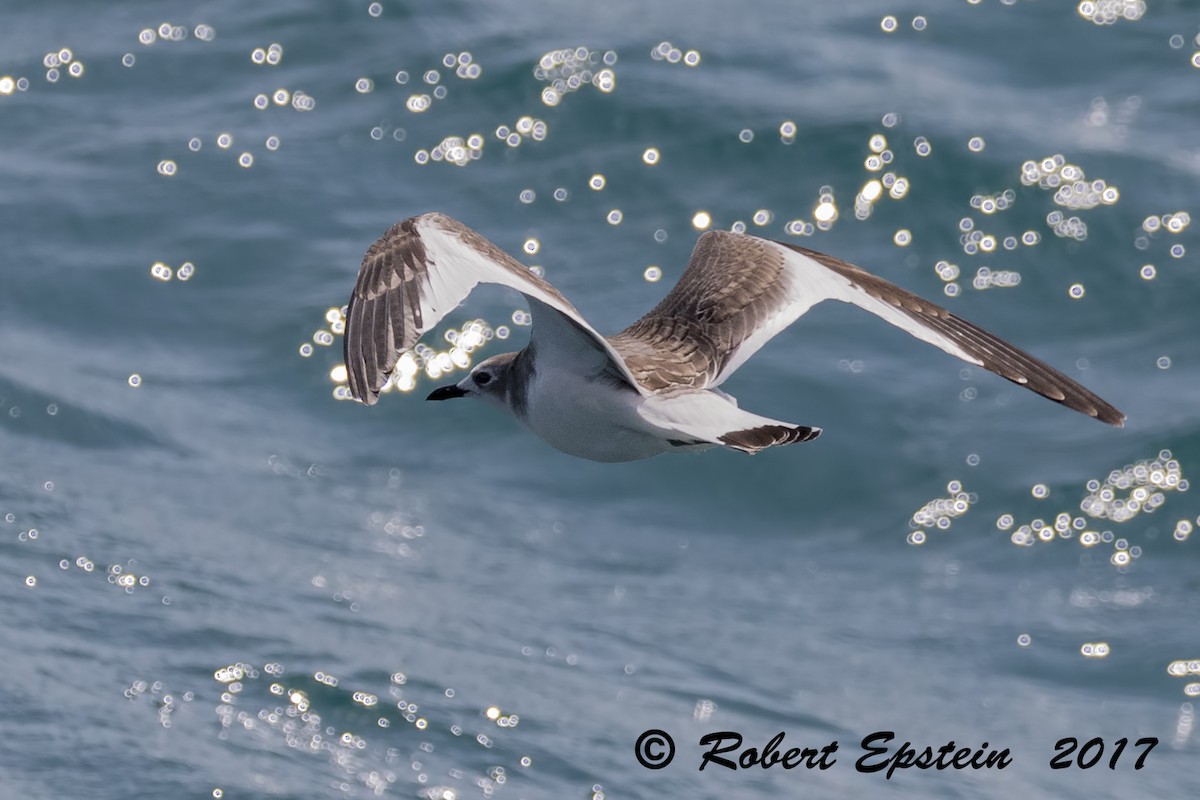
x,y
482,379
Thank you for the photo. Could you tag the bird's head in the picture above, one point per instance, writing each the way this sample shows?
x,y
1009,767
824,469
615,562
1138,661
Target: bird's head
x,y
488,380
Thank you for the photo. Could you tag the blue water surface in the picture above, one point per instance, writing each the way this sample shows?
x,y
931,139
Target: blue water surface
x,y
219,580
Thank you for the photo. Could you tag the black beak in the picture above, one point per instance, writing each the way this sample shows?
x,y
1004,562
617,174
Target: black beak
x,y
446,393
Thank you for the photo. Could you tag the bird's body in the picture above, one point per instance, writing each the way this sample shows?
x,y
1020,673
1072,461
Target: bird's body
x,y
600,417
653,387
609,422
596,421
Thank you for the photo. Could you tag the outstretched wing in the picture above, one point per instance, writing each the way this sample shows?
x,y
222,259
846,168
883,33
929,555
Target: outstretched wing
x,y
740,291
425,266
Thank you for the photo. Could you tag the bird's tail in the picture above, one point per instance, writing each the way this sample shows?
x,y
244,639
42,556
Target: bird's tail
x,y
752,440
713,417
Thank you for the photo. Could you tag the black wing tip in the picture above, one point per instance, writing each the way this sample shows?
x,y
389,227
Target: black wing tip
x,y
1080,400
1099,411
1089,405
1076,397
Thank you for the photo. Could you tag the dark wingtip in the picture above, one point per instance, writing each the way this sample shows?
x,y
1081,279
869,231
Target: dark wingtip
x,y
1115,418
1106,413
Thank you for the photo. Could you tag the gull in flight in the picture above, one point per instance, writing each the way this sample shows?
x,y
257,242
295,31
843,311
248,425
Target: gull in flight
x,y
653,387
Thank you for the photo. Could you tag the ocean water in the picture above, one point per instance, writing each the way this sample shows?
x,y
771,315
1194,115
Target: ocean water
x,y
221,581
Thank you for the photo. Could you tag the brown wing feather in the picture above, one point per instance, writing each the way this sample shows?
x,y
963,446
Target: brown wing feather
x,y
731,285
384,315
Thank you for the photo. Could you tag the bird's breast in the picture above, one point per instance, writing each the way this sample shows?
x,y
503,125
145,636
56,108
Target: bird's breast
x,y
590,419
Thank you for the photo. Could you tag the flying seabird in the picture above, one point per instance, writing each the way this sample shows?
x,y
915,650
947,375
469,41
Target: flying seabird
x,y
653,387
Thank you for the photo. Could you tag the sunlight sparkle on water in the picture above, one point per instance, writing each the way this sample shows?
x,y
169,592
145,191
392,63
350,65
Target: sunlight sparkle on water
x,y
988,278
1108,12
570,69
1071,188
940,512
456,150
665,51
1126,492
825,211
526,127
